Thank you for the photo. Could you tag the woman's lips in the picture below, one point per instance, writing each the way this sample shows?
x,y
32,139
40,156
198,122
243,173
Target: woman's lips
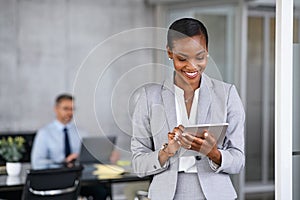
x,y
191,74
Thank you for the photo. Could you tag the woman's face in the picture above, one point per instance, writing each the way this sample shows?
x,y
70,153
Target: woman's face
x,y
189,58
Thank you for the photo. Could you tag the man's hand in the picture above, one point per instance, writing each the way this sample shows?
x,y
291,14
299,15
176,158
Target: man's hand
x,y
71,158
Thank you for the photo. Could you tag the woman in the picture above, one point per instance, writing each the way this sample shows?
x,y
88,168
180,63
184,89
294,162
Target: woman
x,y
159,144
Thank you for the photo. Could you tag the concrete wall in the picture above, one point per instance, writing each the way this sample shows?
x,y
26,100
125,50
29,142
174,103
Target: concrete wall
x,y
43,43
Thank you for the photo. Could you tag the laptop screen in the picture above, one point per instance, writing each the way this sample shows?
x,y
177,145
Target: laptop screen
x,y
96,149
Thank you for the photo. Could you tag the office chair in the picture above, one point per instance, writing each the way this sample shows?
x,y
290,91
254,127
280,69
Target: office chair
x,y
52,184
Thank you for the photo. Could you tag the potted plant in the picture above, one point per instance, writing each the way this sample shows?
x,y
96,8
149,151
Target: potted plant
x,y
11,150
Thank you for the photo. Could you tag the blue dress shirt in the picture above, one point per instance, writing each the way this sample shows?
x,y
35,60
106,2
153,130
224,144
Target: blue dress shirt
x,y
49,146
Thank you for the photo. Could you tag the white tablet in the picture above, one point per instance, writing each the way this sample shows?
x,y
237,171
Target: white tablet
x,y
218,130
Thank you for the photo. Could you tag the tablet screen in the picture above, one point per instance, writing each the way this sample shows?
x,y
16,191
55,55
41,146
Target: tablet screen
x,y
218,130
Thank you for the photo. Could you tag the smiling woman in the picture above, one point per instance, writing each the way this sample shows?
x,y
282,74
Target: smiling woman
x,y
189,59
189,98
187,47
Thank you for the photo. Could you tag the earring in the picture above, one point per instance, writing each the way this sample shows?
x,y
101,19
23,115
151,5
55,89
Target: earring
x,y
207,55
170,58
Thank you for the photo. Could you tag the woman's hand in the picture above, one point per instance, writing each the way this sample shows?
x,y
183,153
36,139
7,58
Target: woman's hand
x,y
205,144
173,145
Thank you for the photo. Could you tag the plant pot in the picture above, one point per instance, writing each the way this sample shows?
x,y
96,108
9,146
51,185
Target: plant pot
x,y
13,168
13,180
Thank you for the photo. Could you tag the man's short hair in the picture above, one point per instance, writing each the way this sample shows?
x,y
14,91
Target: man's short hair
x,y
62,97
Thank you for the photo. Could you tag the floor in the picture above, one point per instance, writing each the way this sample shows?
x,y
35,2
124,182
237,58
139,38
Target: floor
x,y
118,194
127,191
261,196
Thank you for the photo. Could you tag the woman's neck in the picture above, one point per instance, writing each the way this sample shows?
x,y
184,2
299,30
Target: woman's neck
x,y
187,87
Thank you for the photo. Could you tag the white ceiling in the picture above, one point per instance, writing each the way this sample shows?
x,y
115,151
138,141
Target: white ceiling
x,y
251,2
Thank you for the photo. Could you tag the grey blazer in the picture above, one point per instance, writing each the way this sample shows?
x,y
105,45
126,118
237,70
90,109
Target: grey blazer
x,y
155,115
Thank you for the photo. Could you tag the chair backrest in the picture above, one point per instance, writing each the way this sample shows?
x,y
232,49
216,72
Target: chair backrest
x,y
52,184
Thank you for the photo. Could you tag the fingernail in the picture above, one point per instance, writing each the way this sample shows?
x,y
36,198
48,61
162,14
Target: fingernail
x,y
183,134
205,134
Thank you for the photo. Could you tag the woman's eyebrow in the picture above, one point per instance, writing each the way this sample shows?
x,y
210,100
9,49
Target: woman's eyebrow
x,y
197,54
200,52
181,54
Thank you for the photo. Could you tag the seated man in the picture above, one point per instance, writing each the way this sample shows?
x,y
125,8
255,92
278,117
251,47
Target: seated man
x,y
59,143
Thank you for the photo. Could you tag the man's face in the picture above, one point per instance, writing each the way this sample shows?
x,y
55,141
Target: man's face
x,y
64,111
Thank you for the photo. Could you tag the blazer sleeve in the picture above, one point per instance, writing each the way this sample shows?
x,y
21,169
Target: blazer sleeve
x,y
144,156
233,157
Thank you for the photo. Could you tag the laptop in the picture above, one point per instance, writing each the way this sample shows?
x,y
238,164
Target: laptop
x,y
96,149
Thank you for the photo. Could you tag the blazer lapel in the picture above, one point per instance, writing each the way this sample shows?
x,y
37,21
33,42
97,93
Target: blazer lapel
x,y
168,99
204,101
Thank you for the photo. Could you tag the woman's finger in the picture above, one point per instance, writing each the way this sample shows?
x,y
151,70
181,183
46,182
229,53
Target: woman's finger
x,y
188,136
177,130
185,142
181,127
210,138
171,136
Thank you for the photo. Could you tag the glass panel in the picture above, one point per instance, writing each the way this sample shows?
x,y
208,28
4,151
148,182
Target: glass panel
x,y
296,124
260,98
296,81
216,26
296,30
254,99
220,22
296,100
296,177
271,58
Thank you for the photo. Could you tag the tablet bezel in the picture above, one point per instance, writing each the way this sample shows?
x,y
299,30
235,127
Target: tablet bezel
x,y
218,130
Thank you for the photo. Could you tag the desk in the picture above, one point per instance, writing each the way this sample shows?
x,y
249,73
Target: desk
x,y
15,184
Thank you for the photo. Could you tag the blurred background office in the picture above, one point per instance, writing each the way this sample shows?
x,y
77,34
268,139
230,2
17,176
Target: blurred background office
x,y
45,43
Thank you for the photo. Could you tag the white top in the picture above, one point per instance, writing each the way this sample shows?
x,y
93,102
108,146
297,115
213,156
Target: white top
x,y
186,163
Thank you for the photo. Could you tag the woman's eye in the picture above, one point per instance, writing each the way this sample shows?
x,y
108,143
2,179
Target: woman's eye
x,y
200,58
181,59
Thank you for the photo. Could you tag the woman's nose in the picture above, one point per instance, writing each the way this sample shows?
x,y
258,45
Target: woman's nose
x,y
192,64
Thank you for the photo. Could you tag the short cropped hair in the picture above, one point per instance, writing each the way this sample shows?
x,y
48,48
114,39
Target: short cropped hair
x,y
62,97
186,27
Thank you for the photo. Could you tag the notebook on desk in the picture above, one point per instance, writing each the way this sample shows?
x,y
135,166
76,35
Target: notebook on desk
x,y
96,149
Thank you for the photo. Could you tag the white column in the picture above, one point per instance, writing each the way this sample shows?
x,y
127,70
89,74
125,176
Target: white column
x,y
283,99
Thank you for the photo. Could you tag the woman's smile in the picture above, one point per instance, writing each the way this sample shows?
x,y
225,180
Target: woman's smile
x,y
191,75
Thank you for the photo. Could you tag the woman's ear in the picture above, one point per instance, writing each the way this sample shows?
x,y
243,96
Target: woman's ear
x,y
170,53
